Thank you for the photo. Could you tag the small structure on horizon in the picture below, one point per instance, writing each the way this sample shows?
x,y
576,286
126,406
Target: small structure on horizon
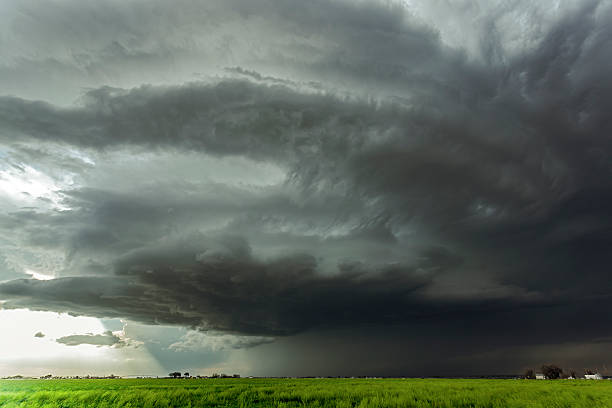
x,y
595,376
540,376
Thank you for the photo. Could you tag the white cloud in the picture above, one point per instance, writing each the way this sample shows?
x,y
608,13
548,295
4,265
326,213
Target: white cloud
x,y
216,341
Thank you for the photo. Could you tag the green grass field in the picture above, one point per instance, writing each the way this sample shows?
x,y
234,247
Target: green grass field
x,y
151,393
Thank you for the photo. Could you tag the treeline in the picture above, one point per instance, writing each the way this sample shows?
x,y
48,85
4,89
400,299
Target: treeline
x,y
177,374
554,372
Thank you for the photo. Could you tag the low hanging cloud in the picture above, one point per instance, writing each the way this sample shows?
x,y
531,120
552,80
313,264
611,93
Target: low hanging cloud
x,y
196,341
217,284
106,339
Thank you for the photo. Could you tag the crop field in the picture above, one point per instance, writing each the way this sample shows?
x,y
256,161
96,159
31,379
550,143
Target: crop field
x,y
149,393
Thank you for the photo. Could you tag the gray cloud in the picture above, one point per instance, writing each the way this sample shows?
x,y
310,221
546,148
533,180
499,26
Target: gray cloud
x,y
105,339
338,43
217,284
364,170
195,341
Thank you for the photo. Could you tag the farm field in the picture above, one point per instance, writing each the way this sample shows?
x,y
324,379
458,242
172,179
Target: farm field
x,y
150,393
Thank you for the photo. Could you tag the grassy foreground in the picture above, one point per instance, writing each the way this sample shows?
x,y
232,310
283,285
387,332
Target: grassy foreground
x,y
361,393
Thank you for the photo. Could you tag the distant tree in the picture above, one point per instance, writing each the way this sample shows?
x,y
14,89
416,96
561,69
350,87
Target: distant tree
x,y
573,374
186,374
589,372
529,374
175,374
552,372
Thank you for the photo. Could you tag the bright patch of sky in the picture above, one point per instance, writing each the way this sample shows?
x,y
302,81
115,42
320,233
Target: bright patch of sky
x,y
28,347
23,185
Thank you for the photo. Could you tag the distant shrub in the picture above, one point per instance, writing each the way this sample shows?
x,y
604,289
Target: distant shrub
x,y
552,372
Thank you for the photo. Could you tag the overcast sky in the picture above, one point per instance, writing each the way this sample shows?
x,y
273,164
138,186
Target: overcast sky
x,y
417,187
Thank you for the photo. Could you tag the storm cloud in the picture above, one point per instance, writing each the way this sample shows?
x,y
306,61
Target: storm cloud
x,y
359,169
220,286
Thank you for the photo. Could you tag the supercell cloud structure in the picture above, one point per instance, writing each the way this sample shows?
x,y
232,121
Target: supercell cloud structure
x,y
415,171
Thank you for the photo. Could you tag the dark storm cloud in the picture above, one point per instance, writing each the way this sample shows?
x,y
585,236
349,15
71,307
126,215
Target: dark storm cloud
x,y
508,162
232,117
216,284
425,188
101,223
105,339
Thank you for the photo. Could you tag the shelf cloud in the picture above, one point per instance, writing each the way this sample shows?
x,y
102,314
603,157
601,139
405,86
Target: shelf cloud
x,y
271,169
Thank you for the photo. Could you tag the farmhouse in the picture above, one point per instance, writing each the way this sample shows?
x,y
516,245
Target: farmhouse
x,y
595,376
540,376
